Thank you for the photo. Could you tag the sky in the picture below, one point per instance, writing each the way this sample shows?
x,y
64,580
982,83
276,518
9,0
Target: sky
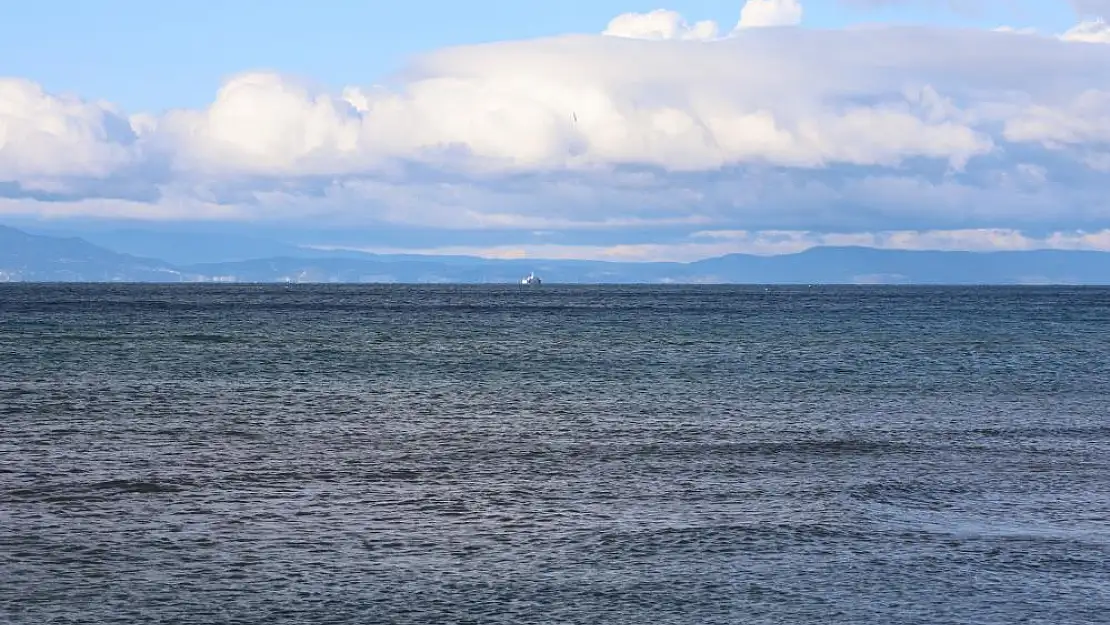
x,y
607,129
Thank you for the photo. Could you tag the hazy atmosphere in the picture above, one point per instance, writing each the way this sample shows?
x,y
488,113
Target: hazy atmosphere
x,y
602,130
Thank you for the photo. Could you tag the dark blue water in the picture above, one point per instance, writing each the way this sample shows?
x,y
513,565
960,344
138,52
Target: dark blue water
x,y
631,455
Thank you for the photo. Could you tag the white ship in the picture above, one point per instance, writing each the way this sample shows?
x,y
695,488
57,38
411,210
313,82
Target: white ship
x,y
531,280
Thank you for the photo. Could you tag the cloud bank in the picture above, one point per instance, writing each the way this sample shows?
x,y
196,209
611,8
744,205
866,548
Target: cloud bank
x,y
712,243
657,122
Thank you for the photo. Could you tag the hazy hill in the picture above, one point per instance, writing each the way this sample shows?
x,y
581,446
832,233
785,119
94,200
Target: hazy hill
x,y
27,257
32,258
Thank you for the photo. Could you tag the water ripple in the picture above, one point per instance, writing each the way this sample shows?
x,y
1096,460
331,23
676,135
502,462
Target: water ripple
x,y
626,455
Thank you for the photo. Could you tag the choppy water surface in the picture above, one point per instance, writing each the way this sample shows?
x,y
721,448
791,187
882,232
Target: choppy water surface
x,y
606,455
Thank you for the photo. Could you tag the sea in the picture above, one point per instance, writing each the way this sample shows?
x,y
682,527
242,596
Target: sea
x,y
641,455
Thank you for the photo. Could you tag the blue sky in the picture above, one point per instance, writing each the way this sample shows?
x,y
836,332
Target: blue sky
x,y
517,128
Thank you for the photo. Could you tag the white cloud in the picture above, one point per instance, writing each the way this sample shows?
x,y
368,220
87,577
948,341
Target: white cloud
x,y
570,103
660,124
757,13
663,24
267,124
1089,31
1093,30
660,24
577,103
43,135
1082,120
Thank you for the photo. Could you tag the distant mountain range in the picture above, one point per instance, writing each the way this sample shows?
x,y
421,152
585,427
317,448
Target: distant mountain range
x,y
27,257
33,258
